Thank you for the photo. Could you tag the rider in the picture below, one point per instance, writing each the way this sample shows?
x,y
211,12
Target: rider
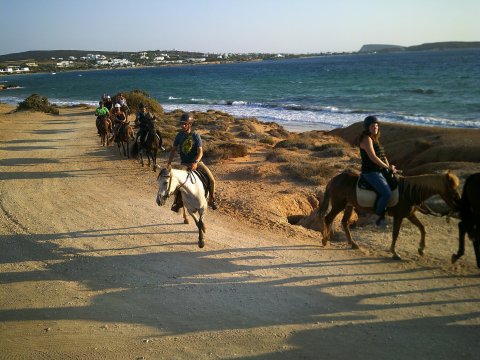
x,y
101,111
119,118
191,152
144,120
374,162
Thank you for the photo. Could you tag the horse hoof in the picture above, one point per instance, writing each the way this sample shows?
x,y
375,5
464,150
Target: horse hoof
x,y
185,221
201,243
421,252
355,246
396,257
454,258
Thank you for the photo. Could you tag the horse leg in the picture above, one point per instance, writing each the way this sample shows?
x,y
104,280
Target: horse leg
x,y
199,223
397,222
128,150
185,218
347,214
154,160
461,242
414,220
476,247
336,208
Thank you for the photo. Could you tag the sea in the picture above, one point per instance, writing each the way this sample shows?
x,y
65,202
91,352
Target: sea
x,y
432,88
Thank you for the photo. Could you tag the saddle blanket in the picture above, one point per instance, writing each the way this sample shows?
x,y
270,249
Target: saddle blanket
x,y
366,198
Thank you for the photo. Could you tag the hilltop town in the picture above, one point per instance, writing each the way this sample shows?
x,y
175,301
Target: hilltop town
x,y
62,60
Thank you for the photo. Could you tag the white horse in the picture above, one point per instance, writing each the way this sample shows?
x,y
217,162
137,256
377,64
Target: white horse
x,y
192,191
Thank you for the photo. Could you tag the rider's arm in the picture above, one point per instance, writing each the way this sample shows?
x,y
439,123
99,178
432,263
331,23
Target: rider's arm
x,y
198,158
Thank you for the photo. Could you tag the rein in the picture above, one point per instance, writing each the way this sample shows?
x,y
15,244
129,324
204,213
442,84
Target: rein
x,y
180,185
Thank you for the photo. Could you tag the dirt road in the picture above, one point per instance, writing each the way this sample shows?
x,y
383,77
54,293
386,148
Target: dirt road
x,y
92,268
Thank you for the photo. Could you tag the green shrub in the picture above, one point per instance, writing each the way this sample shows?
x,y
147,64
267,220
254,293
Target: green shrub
x,y
223,151
37,102
329,150
135,97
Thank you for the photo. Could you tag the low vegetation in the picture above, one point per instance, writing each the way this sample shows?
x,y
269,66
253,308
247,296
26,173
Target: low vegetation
x,y
37,102
137,97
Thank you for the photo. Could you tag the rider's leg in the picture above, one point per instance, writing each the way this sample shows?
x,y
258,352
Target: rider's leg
x,y
211,199
379,183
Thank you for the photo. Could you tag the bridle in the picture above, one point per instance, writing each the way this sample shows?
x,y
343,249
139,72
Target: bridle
x,y
170,183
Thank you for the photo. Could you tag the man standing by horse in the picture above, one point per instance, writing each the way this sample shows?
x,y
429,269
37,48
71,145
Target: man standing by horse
x,y
189,144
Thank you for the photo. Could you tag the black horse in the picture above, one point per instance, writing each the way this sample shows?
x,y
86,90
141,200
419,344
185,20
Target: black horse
x,y
469,217
149,147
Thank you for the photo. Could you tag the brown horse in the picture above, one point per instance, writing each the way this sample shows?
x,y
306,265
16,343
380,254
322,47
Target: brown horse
x,y
104,126
124,135
469,217
413,191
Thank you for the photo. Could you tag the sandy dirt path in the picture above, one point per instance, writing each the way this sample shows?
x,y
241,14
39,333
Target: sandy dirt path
x,y
92,268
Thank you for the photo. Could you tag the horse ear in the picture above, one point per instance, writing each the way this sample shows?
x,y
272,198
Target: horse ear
x,y
169,167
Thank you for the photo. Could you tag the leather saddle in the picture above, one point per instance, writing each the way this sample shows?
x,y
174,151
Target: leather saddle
x,y
367,196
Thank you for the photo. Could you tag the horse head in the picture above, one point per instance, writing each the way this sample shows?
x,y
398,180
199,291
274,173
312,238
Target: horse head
x,y
164,185
450,193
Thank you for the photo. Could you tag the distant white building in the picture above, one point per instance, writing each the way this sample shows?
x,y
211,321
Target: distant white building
x,y
65,63
14,69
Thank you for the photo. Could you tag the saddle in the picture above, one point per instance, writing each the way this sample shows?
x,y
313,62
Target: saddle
x,y
178,202
367,196
205,181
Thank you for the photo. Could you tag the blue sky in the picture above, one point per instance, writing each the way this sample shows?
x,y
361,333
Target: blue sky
x,y
296,26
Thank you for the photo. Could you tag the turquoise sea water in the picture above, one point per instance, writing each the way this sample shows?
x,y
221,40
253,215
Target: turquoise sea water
x,y
423,88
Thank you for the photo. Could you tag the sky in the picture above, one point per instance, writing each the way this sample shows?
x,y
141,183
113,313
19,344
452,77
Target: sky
x,y
233,26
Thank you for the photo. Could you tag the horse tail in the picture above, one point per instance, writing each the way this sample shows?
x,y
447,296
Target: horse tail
x,y
134,151
322,211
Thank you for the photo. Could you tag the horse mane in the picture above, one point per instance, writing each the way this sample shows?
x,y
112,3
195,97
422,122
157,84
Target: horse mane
x,y
418,188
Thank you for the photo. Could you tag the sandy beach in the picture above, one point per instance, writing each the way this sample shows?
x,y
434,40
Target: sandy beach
x,y
92,268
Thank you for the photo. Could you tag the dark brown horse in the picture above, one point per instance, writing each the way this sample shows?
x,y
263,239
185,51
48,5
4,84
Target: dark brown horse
x,y
469,217
104,126
413,191
124,135
152,143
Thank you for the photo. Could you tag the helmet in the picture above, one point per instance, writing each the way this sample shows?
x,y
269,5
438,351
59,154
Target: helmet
x,y
186,118
117,105
369,120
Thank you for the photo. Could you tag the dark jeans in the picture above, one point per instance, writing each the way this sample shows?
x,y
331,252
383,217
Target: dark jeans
x,y
379,183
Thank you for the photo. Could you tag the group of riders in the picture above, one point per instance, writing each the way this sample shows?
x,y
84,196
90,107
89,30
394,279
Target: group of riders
x,y
187,142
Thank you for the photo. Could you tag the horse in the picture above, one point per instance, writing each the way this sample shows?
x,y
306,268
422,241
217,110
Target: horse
x,y
124,135
104,126
192,191
469,217
413,191
153,142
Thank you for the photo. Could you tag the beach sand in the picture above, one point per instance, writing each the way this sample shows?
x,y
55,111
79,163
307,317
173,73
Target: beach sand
x,y
92,268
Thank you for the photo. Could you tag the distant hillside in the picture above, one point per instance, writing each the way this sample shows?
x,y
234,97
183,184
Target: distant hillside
x,y
380,48
445,45
42,55
423,47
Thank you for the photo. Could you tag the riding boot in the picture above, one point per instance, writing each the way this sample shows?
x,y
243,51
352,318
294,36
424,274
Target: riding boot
x,y
381,222
178,202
